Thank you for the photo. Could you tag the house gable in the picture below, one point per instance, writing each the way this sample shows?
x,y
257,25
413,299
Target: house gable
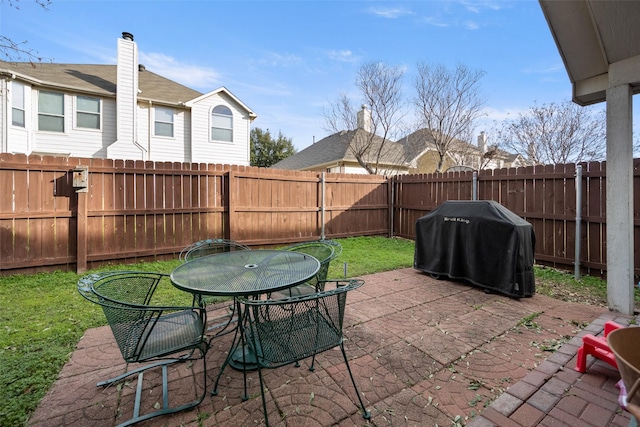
x,y
204,146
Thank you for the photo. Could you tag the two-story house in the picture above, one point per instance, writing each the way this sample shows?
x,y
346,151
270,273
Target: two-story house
x,y
118,111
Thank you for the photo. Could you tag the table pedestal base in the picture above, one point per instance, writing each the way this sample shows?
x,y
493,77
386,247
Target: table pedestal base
x,y
237,362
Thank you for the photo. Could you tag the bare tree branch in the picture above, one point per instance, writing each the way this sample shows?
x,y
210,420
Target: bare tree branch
x,y
448,103
11,50
380,86
557,133
340,115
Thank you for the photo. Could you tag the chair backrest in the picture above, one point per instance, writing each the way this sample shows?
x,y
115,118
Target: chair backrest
x,y
337,248
322,251
142,331
210,247
291,329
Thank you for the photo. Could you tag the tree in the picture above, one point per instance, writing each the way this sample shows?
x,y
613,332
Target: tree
x,y
557,133
379,85
448,102
19,51
266,151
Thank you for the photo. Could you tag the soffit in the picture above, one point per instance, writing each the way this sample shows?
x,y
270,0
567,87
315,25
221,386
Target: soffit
x,y
592,35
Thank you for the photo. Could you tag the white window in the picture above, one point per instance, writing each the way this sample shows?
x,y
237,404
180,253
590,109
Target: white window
x,y
221,124
163,121
88,112
17,104
51,111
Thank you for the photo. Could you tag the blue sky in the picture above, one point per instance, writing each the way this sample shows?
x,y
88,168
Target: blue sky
x,y
287,60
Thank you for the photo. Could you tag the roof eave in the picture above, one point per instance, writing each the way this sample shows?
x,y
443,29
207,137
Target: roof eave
x,y
51,85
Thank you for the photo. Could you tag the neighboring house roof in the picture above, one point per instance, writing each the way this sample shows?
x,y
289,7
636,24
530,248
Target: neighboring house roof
x,y
335,148
99,79
416,143
420,141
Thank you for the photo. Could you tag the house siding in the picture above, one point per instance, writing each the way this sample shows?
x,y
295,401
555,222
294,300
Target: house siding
x,y
206,151
174,149
74,141
17,138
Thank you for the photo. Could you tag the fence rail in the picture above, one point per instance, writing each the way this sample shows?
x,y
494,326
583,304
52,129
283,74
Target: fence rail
x,y
136,210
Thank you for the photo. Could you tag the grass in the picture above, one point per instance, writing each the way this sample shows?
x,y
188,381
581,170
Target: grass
x,y
587,290
43,317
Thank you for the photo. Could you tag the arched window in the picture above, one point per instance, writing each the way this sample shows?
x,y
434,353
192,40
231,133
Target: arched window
x,y
221,124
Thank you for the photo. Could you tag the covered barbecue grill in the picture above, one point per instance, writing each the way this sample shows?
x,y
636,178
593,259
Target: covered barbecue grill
x,y
479,241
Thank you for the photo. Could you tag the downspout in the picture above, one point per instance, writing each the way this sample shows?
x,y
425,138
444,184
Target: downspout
x,y
5,113
149,130
248,133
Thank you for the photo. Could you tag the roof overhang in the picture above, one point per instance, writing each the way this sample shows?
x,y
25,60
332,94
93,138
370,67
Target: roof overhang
x,y
599,42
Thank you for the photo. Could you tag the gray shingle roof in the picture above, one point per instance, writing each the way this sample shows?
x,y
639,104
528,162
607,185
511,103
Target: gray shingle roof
x,y
98,79
335,148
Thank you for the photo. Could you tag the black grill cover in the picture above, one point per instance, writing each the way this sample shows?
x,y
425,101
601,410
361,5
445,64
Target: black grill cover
x,y
479,241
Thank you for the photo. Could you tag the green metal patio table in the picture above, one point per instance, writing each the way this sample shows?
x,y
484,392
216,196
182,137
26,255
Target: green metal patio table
x,y
246,274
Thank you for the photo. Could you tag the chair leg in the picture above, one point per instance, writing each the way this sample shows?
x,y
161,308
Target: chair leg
x,y
264,400
166,409
365,414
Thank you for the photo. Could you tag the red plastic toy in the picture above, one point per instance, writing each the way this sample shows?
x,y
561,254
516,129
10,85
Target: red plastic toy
x,y
597,347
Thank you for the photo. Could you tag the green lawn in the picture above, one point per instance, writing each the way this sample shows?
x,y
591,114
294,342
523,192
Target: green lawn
x,y
43,317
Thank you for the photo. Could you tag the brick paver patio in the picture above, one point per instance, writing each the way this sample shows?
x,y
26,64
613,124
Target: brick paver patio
x,y
424,352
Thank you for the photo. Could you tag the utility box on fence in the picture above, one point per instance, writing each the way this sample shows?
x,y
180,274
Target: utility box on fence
x,y
479,241
81,178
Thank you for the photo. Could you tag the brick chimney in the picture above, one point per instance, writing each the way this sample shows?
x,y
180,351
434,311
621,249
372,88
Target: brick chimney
x,y
482,142
364,118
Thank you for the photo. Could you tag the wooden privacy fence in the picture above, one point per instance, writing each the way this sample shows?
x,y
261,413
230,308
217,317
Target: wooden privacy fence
x,y
135,210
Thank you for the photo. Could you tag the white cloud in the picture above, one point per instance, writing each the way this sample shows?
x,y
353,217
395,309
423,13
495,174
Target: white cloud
x,y
342,56
471,25
436,22
494,117
479,6
274,59
544,69
389,12
189,75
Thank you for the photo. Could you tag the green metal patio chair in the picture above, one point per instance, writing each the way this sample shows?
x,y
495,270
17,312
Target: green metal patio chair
x,y
324,251
211,247
148,332
285,331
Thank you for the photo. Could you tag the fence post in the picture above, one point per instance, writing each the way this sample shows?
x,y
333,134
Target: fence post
x,y
80,182
391,183
474,186
231,206
576,262
322,192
